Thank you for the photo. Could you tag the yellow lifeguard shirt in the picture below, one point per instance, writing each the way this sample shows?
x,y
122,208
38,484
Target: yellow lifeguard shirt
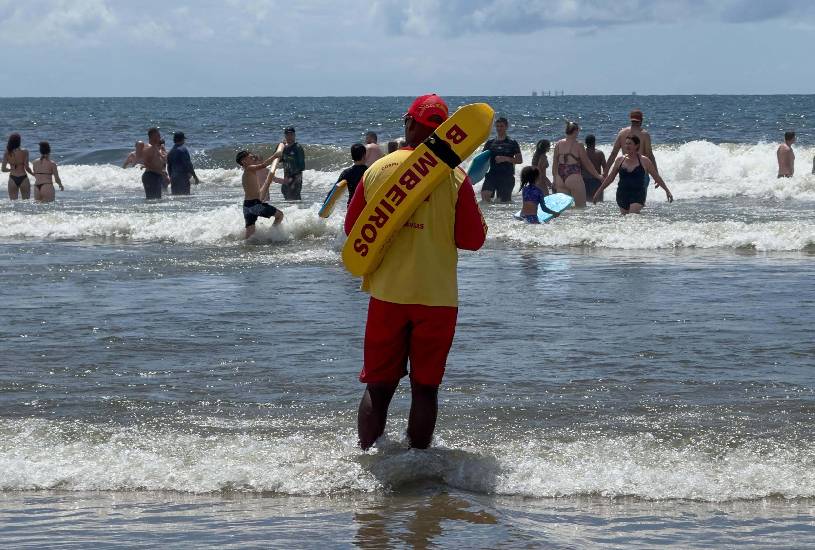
x,y
420,265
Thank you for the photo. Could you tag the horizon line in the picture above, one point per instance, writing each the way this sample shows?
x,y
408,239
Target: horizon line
x,y
398,96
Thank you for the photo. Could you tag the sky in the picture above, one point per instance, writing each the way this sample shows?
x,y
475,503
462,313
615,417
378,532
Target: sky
x,y
405,47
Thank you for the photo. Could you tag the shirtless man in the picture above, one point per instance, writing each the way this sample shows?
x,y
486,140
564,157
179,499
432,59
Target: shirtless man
x,y
373,152
253,207
645,144
786,156
134,158
155,165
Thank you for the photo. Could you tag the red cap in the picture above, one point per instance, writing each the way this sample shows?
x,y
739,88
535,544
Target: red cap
x,y
427,106
635,115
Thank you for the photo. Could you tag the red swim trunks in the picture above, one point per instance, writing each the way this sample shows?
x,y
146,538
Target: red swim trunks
x,y
398,332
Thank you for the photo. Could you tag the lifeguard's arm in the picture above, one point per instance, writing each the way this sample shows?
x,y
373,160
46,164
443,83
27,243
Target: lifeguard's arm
x,y
56,176
470,227
356,206
131,159
651,169
588,164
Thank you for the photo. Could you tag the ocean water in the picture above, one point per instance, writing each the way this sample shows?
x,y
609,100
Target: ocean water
x,y
627,382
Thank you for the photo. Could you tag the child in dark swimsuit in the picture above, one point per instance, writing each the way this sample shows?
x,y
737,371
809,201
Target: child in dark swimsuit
x,y
533,196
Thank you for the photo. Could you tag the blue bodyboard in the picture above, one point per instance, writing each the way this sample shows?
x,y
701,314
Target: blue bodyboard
x,y
557,202
331,200
479,166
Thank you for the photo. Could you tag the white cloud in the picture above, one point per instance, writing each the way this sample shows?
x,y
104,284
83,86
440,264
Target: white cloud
x,y
56,21
426,17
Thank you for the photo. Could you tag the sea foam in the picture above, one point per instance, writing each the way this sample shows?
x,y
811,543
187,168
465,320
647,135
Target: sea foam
x,y
40,454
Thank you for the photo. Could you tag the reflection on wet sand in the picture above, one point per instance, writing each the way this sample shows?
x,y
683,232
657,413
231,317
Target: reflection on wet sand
x,y
419,524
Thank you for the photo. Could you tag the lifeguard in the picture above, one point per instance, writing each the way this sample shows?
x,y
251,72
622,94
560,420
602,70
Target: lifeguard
x,y
414,290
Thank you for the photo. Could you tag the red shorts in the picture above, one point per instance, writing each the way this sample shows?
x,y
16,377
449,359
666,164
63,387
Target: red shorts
x,y
398,332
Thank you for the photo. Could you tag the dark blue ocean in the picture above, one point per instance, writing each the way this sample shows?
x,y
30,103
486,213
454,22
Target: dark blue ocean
x,y
615,382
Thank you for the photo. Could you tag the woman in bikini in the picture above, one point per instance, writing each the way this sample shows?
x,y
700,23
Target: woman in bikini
x,y
15,161
632,168
541,162
45,173
569,159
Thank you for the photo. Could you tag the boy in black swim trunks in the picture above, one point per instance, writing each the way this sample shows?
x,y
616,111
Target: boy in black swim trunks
x,y
253,208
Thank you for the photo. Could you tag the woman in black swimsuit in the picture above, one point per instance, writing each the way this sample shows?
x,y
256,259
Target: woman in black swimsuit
x,y
632,168
15,160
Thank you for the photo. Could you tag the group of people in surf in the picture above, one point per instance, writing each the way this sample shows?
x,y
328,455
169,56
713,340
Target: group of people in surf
x,y
44,170
578,170
163,170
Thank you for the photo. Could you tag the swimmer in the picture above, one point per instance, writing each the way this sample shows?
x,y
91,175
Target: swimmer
x,y
135,156
598,160
294,163
179,166
155,163
505,154
392,146
568,161
541,162
15,161
533,195
632,168
165,184
353,174
786,156
253,207
45,173
373,152
635,129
